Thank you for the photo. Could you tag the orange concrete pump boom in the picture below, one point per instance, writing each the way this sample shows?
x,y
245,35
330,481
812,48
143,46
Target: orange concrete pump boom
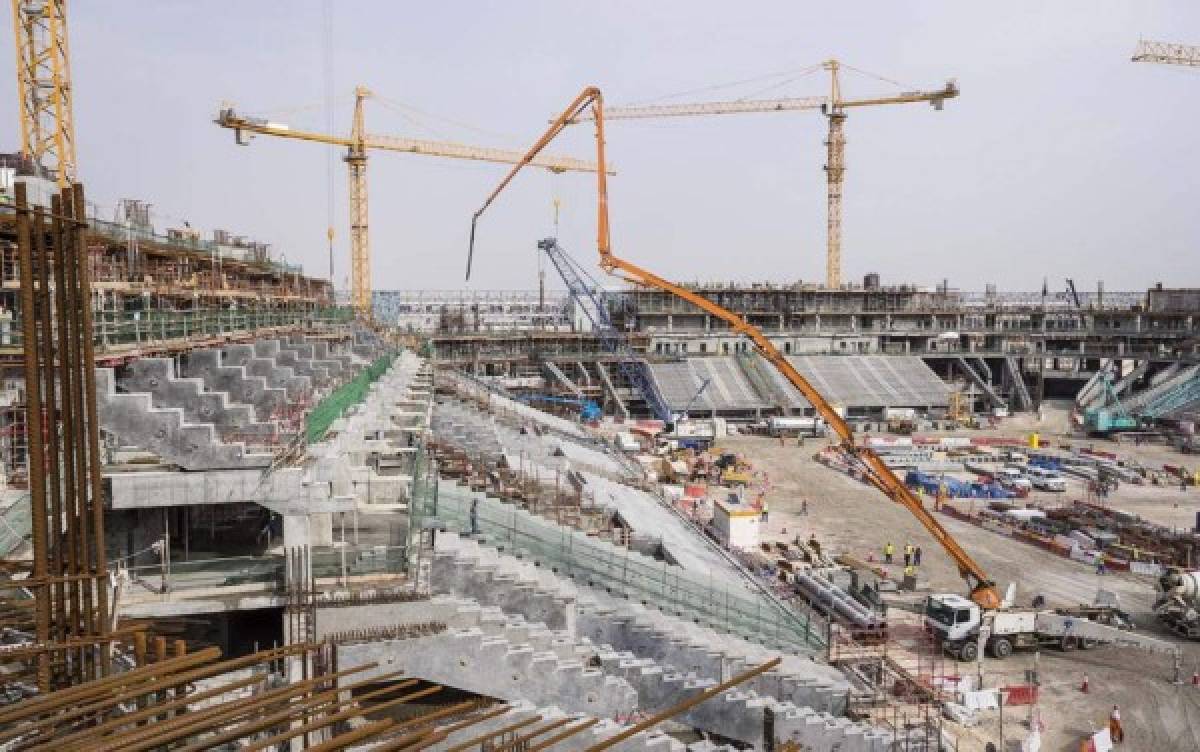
x,y
982,590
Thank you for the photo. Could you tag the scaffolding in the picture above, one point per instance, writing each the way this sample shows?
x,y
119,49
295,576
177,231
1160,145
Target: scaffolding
x,y
901,679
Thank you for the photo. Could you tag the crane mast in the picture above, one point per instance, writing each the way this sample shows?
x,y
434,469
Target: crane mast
x,y
360,248
591,101
835,173
44,87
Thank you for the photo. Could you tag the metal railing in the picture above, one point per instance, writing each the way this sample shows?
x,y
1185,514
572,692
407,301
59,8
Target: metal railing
x,y
148,327
267,571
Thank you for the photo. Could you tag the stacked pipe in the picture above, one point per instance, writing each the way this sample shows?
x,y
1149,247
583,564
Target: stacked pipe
x,y
70,569
823,594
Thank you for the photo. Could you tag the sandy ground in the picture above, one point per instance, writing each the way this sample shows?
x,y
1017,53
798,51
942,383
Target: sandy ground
x,y
848,517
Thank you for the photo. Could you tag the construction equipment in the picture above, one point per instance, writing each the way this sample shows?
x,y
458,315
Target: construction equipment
x,y
591,299
965,631
1110,416
1178,602
871,466
1166,53
1074,294
589,411
44,87
357,144
833,107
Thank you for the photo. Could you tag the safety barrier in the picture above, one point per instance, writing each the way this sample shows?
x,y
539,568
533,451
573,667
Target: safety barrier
x,y
351,393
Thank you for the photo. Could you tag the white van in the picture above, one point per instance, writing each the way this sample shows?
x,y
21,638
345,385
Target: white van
x,y
1012,479
1046,480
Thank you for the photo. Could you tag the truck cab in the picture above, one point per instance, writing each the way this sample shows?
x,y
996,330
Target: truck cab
x,y
952,618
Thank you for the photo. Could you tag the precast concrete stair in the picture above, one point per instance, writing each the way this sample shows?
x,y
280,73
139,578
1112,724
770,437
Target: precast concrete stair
x,y
317,354
156,376
508,661
740,713
259,360
663,659
236,381
650,634
298,358
1146,398
479,574
165,430
322,352
464,567
503,655
614,572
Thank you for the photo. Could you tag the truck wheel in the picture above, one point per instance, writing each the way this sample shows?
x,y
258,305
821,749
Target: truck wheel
x,y
1087,643
1001,648
1067,644
969,651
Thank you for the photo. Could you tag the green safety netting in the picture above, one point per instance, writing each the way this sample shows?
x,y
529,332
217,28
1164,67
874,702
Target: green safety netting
x,y
351,393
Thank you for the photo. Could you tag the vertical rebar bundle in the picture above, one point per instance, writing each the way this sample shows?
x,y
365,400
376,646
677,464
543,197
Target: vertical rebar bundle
x,y
70,568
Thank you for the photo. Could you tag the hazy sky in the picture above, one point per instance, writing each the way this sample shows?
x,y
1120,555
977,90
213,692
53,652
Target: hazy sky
x,y
1061,157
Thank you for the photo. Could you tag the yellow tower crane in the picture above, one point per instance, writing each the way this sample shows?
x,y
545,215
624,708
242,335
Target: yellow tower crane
x,y
833,106
357,144
1167,53
44,86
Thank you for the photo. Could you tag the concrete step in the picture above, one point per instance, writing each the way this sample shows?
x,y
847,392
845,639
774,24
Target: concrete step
x,y
156,376
467,576
206,364
473,660
464,566
299,359
737,714
164,431
259,360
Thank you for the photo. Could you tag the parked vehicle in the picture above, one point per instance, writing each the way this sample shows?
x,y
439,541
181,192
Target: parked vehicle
x,y
1045,480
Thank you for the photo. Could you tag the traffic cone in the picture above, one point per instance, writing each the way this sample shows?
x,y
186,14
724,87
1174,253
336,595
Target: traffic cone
x,y
1084,687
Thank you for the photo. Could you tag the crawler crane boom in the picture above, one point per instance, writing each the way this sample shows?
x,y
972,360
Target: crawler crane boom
x,y
982,590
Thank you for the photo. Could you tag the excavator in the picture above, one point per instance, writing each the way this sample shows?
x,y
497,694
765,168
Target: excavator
x,y
981,589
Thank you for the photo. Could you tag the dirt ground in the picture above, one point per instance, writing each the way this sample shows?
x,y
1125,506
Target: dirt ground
x,y
848,517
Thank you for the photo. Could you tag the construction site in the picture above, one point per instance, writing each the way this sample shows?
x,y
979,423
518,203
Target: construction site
x,y
246,505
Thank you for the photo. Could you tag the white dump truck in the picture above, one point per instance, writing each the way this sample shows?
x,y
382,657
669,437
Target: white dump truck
x,y
1178,603
964,629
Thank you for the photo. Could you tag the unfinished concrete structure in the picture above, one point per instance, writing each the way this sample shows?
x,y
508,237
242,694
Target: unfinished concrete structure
x,y
1005,350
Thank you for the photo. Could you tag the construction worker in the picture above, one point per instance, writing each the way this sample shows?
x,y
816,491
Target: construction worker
x,y
814,544
804,507
908,553
1115,732
917,556
765,510
888,551
910,571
